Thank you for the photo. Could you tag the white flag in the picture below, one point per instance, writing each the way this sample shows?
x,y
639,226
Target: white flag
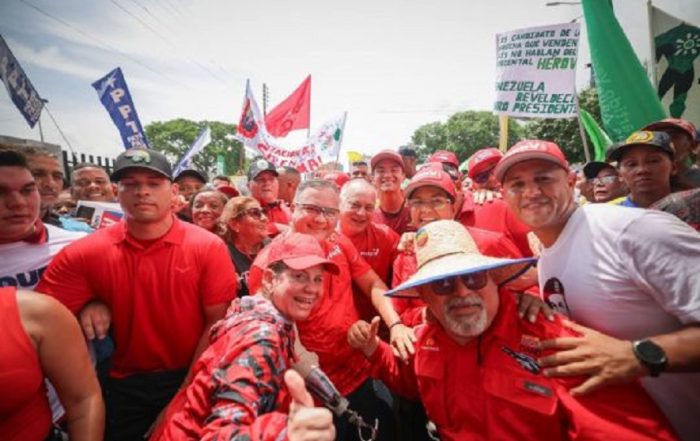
x,y
327,139
198,145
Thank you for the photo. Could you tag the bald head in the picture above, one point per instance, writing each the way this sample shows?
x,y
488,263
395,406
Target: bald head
x,y
358,199
355,186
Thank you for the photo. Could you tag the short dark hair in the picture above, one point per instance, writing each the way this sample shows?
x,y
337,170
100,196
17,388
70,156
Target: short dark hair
x,y
88,165
12,157
318,184
222,178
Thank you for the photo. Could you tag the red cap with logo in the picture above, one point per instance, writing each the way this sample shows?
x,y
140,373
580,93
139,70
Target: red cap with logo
x,y
228,190
387,154
444,156
299,252
530,149
482,160
674,123
432,175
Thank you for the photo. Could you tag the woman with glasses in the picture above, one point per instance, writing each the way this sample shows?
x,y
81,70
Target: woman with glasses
x,y
240,386
605,181
246,234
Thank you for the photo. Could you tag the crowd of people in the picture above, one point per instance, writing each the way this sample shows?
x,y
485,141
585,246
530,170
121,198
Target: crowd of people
x,y
509,295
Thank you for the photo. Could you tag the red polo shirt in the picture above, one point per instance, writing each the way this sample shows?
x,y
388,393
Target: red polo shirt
x,y
156,291
399,221
325,331
495,216
377,245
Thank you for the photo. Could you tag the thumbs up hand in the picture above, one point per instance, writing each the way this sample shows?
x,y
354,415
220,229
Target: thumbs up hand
x,y
363,336
306,422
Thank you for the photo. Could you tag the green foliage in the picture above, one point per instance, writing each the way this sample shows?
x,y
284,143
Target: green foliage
x,y
464,133
565,132
174,137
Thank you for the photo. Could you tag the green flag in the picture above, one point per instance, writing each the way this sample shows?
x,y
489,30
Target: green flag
x,y
628,100
601,141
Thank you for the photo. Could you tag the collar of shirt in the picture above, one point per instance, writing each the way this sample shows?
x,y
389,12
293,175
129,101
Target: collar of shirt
x,y
39,235
175,234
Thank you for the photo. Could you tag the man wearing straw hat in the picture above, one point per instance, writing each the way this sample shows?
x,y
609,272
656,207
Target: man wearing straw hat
x,y
475,366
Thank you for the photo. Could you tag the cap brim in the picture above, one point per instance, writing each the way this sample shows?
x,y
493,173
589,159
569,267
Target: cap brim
x,y
304,262
616,154
117,174
591,170
660,126
503,270
273,171
507,162
415,186
376,159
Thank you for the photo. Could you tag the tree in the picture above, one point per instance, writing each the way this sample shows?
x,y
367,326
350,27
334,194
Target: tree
x,y
565,132
464,133
174,137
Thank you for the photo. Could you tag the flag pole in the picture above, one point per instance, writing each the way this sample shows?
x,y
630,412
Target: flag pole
x,y
503,132
582,133
652,45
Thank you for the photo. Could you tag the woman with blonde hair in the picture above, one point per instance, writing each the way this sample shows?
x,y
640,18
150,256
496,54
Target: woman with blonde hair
x,y
246,233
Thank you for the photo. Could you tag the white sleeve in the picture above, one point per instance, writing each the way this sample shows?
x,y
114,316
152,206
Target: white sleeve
x,y
662,255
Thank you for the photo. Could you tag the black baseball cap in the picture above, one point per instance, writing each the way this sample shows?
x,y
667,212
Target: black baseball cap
x,y
192,173
147,159
591,170
659,140
260,165
407,150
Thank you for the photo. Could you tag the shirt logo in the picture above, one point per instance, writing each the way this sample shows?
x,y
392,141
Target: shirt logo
x,y
538,389
525,361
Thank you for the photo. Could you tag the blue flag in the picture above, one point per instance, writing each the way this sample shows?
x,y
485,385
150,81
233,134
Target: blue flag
x,y
116,98
202,141
18,86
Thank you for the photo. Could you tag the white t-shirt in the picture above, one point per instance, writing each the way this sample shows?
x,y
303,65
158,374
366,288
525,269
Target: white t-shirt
x,y
631,273
23,263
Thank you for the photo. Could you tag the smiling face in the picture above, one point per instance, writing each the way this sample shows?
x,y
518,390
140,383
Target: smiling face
x,y
188,186
647,172
428,204
315,222
388,175
295,292
357,203
265,187
48,176
92,184
145,196
207,208
540,193
19,203
251,224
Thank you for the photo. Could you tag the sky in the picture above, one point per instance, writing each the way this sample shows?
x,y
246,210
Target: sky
x,y
393,65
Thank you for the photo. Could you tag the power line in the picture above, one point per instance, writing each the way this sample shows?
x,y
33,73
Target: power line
x,y
65,139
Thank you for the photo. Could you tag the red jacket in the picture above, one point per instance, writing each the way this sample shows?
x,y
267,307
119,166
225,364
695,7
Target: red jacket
x,y
492,388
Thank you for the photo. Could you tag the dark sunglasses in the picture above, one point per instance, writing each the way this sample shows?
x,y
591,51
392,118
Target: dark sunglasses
x,y
473,282
484,176
451,170
255,213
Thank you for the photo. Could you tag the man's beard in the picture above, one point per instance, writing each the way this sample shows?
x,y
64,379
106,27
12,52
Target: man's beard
x,y
466,326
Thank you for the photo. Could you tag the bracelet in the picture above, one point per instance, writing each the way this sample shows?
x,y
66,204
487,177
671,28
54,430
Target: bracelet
x,y
398,322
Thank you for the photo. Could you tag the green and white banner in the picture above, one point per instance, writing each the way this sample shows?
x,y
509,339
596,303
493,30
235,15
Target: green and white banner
x,y
536,71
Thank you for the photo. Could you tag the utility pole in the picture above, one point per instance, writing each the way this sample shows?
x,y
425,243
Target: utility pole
x,y
266,96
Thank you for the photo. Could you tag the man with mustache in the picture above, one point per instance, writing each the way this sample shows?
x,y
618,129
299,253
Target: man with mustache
x,y
475,367
631,274
263,183
159,283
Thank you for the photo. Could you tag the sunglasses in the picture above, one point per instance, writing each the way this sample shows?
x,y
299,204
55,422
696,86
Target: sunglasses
x,y
255,213
473,282
484,176
605,180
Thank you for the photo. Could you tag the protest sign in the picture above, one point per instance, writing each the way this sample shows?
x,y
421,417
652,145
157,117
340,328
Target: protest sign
x,y
99,214
115,96
19,87
535,71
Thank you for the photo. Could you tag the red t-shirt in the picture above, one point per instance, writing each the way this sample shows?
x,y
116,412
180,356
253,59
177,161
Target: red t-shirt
x,y
399,221
490,243
377,245
325,331
495,216
278,214
156,294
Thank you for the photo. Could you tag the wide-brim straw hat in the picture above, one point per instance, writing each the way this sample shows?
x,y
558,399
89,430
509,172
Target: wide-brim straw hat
x,y
446,249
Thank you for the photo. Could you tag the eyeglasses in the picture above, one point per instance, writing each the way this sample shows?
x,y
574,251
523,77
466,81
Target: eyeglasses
x,y
605,180
473,282
484,176
315,210
255,213
435,203
356,207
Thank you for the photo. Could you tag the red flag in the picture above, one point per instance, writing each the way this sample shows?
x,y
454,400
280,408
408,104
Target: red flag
x,y
292,113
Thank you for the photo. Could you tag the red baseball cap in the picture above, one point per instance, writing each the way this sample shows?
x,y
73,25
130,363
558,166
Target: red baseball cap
x,y
483,159
229,191
431,175
387,154
673,123
530,149
444,156
337,177
299,251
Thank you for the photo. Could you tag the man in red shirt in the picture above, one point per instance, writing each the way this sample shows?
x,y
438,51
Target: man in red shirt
x,y
375,242
476,365
164,282
494,215
316,213
387,176
264,187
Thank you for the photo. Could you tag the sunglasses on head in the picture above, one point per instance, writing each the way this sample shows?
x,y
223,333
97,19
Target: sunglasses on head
x,y
473,282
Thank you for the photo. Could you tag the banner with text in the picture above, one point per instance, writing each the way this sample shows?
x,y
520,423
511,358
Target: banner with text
x,y
536,71
19,87
115,96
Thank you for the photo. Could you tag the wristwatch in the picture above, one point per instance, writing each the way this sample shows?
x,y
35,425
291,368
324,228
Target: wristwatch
x,y
650,355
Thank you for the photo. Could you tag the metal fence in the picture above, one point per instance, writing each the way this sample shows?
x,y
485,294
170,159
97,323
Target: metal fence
x,y
70,161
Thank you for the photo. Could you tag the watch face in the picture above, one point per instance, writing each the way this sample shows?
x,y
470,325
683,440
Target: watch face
x,y
650,352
